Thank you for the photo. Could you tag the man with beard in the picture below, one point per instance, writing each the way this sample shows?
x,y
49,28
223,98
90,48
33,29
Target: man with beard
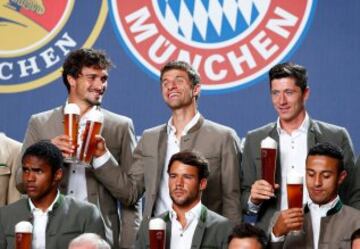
x,y
85,75
189,224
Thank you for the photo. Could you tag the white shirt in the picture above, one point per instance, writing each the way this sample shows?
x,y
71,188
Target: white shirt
x,y
293,152
181,238
39,224
77,178
163,201
317,212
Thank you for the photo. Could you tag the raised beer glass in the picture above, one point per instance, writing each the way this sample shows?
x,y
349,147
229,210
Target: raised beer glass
x,y
157,233
23,235
294,191
71,127
268,159
92,128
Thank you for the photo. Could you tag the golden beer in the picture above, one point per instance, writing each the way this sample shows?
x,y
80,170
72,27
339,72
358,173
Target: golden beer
x,y
157,233
71,127
92,128
268,152
294,191
23,235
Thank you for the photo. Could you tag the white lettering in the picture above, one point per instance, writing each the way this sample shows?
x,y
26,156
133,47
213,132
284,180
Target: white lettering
x,y
276,25
185,56
163,44
209,67
245,57
263,47
66,42
139,17
2,74
31,66
49,57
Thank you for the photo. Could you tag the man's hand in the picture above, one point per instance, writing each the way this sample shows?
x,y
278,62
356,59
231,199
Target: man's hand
x,y
100,147
261,190
63,142
288,220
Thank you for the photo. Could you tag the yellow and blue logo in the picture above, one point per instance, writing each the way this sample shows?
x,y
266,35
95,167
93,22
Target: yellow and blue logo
x,y
36,35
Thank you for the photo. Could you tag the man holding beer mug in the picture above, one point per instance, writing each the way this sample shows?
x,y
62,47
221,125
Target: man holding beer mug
x,y
325,222
189,224
101,158
293,134
56,219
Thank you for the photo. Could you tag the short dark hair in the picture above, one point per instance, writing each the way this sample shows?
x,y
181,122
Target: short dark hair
x,y
83,57
194,159
330,150
355,235
184,66
291,70
246,230
46,151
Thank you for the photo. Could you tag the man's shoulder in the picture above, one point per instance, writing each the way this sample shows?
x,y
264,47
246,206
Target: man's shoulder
x,y
321,126
215,127
73,204
154,130
350,212
21,204
46,115
116,118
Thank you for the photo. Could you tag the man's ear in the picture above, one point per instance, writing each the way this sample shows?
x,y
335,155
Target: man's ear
x,y
342,176
59,173
203,184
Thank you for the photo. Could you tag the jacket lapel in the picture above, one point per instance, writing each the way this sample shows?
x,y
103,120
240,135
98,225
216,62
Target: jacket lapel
x,y
161,153
311,136
200,229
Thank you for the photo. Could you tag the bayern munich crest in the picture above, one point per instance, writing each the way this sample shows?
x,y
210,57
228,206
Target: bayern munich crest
x,y
36,36
232,43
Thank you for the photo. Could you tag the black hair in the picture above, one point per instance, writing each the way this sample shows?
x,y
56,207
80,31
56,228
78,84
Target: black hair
x,y
246,230
291,70
330,150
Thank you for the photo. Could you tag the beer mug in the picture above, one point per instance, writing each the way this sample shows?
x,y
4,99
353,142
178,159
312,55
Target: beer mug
x,y
294,186
71,127
268,159
23,235
92,128
157,233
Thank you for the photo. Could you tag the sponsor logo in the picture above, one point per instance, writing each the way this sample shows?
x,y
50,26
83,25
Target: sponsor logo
x,y
232,43
36,35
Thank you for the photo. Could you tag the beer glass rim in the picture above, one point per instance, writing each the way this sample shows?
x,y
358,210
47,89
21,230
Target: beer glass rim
x,y
23,227
294,179
157,224
72,108
268,143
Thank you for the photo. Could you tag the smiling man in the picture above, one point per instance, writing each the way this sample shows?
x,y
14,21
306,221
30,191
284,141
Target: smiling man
x,y
189,223
186,129
85,75
295,132
325,221
56,219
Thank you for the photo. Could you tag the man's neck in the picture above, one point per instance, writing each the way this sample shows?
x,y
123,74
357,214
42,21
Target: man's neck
x,y
291,125
182,210
180,118
45,202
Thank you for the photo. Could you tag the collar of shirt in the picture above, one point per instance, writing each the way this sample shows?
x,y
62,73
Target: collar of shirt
x,y
323,209
302,128
50,208
191,215
172,130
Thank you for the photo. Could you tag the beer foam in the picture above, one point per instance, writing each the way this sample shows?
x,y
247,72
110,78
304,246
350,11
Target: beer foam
x,y
72,108
157,224
294,179
23,227
269,143
95,116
